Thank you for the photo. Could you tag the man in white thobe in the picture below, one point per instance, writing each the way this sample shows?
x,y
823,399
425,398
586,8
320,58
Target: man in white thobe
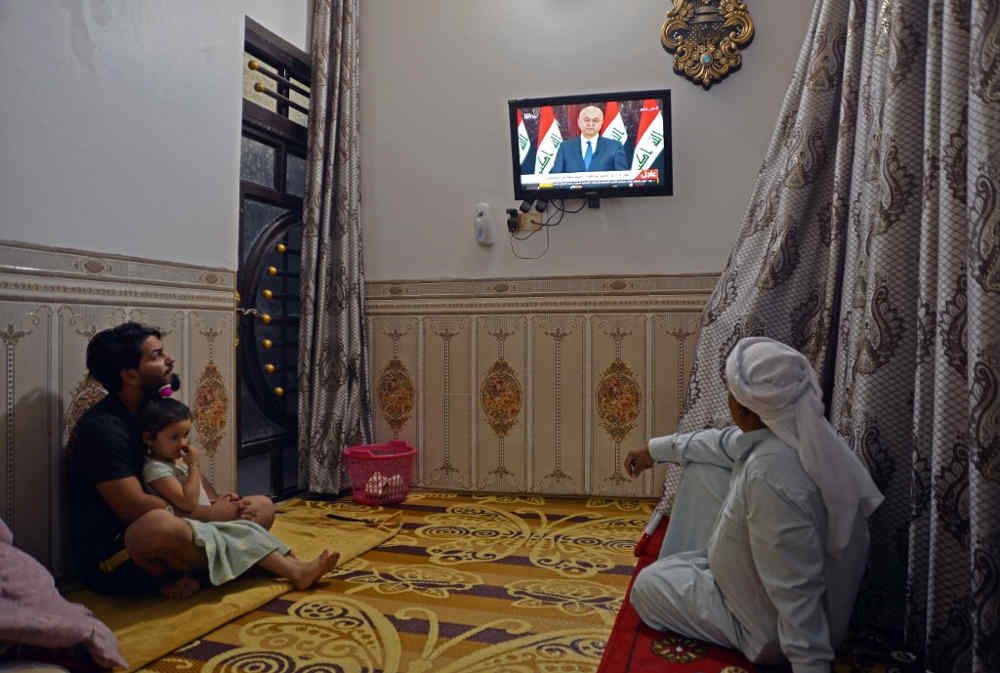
x,y
768,538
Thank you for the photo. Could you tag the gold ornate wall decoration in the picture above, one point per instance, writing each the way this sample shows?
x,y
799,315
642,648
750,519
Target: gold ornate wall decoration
x,y
681,335
395,388
618,398
706,37
557,476
86,394
9,337
94,266
500,395
446,471
559,351
87,391
210,399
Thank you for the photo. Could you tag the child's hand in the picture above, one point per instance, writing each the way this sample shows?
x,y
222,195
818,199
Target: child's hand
x,y
247,509
190,454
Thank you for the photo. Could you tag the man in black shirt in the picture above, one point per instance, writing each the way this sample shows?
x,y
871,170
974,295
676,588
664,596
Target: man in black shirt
x,y
124,539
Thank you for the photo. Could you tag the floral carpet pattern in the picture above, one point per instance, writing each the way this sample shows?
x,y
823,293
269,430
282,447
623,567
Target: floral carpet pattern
x,y
471,584
477,584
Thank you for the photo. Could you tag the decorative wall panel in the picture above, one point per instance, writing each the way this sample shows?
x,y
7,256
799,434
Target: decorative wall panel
x,y
51,302
395,344
25,332
533,385
617,358
558,366
448,438
503,403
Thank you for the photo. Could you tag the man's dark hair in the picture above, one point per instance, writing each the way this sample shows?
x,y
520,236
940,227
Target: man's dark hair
x,y
117,348
159,413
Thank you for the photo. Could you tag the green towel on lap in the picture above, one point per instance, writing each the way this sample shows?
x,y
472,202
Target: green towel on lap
x,y
233,547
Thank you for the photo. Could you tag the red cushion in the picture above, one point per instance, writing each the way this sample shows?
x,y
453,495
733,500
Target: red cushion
x,y
633,647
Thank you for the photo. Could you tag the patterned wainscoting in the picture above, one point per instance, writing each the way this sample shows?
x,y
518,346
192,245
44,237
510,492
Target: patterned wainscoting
x,y
51,302
535,385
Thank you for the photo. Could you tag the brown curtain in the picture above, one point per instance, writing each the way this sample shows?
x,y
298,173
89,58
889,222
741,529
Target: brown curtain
x,y
334,391
872,244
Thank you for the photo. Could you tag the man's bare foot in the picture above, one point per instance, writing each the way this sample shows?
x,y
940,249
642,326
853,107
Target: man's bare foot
x,y
309,572
182,587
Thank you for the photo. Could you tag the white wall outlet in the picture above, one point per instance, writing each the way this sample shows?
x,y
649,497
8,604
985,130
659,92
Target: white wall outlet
x,y
481,223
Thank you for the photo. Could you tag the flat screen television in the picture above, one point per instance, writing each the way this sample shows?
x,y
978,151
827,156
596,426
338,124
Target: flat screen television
x,y
592,145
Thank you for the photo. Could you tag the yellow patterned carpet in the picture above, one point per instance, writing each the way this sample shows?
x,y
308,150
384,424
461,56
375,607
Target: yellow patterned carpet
x,y
470,584
303,525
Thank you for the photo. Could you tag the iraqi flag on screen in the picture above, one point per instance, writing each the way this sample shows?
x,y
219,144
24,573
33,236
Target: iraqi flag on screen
x,y
649,143
549,140
614,127
523,141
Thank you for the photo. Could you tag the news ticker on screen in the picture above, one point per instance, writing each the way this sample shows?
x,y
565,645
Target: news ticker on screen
x,y
641,176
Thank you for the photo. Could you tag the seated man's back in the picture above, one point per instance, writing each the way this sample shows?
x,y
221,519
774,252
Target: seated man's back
x,y
770,534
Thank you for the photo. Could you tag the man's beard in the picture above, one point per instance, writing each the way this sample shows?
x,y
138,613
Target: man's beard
x,y
153,390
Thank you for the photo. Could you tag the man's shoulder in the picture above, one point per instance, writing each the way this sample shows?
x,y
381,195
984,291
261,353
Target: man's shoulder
x,y
107,411
778,464
104,423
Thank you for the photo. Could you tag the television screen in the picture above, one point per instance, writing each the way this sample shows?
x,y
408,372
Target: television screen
x,y
592,145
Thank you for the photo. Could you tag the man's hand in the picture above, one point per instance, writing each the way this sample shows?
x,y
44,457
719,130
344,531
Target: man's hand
x,y
638,460
224,510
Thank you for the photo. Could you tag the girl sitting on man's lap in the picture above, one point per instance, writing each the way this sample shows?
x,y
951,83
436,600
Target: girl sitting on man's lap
x,y
233,546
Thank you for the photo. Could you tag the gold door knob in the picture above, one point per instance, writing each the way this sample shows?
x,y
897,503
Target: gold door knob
x,y
266,318
272,271
279,391
266,343
282,248
269,368
268,294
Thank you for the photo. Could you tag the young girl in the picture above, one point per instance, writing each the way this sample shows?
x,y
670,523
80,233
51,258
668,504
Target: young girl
x,y
232,547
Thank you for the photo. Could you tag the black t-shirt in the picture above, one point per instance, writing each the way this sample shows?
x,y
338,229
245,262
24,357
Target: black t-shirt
x,y
105,446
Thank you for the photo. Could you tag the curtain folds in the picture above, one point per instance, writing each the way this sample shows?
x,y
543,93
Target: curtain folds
x,y
334,390
872,244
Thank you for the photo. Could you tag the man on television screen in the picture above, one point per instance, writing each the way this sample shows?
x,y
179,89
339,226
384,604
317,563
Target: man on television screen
x,y
590,151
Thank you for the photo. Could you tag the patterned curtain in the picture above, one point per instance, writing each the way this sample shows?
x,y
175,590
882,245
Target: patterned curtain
x,y
872,244
334,391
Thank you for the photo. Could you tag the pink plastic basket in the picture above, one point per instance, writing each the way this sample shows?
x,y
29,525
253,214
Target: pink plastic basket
x,y
380,473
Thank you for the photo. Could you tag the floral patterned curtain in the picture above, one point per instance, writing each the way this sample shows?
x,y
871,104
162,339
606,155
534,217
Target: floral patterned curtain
x,y
334,391
872,244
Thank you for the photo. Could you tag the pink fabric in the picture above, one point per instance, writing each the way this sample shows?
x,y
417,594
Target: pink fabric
x,y
33,613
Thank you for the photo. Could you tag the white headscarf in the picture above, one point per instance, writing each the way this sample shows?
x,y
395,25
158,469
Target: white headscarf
x,y
778,384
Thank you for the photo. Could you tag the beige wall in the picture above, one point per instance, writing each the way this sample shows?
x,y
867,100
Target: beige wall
x,y
435,78
120,122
